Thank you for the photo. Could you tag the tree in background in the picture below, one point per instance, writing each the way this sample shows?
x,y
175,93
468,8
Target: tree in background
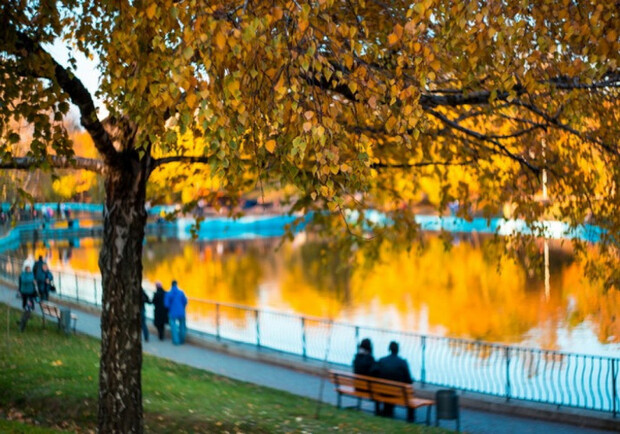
x,y
353,105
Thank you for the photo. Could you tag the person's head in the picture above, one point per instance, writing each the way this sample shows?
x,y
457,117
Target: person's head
x,y
40,258
44,267
27,268
366,345
158,285
393,348
174,283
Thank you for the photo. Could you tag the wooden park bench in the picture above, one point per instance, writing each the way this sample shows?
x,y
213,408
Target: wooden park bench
x,y
53,311
379,390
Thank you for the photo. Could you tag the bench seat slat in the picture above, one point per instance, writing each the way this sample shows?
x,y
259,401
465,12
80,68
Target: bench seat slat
x,y
419,402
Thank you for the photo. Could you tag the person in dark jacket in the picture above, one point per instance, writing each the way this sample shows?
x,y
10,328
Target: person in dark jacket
x,y
39,274
145,299
161,312
26,286
48,283
393,368
364,362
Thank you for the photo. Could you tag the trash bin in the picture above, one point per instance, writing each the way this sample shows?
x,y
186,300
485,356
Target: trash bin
x,y
447,407
65,320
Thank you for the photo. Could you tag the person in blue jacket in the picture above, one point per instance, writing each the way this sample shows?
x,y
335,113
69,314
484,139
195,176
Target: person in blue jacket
x,y
175,301
27,287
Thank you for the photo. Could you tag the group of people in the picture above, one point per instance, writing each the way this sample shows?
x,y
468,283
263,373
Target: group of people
x,y
29,213
36,282
169,308
391,367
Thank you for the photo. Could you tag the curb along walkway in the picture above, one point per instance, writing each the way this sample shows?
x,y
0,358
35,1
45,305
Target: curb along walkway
x,y
299,383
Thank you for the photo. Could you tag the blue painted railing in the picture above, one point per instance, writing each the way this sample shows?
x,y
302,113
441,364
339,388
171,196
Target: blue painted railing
x,y
511,372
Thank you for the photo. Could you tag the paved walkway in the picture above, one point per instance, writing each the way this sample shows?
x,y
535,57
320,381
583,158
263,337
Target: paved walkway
x,y
303,384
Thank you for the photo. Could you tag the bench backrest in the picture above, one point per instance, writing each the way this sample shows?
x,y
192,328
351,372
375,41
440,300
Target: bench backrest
x,y
387,390
50,309
361,385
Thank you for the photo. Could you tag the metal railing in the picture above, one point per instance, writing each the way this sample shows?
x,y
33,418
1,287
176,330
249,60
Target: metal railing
x,y
512,372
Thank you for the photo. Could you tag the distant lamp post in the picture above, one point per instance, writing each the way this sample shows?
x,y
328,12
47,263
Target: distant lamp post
x,y
546,242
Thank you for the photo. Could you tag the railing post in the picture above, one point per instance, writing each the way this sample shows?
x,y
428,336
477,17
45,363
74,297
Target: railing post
x,y
614,387
423,372
303,337
507,353
217,321
257,328
95,289
357,335
77,292
59,284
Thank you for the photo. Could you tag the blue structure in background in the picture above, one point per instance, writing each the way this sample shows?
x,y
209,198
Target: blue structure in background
x,y
257,226
248,227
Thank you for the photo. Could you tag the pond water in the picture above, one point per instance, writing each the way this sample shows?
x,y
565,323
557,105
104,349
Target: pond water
x,y
463,292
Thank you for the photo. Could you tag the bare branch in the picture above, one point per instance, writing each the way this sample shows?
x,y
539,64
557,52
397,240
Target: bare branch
x,y
381,165
611,80
185,159
56,162
484,138
516,133
554,121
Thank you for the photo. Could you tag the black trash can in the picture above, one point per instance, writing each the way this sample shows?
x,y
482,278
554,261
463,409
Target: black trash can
x,y
447,407
65,320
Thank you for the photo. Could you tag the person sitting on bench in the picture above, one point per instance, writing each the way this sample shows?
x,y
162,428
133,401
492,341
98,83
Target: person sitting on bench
x,y
393,368
364,362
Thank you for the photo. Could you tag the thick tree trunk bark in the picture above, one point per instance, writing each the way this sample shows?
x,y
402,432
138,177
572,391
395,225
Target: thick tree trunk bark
x,y
120,262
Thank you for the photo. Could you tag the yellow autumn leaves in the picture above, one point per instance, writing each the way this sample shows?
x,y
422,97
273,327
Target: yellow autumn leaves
x,y
270,145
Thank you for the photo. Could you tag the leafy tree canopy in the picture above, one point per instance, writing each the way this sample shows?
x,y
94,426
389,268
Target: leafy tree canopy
x,y
342,98
353,104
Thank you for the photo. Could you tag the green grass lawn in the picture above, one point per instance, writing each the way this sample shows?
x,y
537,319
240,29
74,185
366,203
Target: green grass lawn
x,y
48,380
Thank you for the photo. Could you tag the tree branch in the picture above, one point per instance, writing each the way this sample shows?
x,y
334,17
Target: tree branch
x,y
381,165
610,80
56,162
25,47
185,159
484,138
459,97
554,121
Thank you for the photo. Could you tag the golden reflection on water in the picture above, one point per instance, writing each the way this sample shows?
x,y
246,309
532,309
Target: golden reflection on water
x,y
462,292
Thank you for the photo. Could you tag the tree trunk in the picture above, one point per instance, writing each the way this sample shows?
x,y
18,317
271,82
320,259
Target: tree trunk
x,y
120,262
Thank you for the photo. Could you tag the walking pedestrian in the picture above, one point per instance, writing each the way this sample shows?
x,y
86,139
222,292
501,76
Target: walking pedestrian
x,y
145,329
39,274
160,318
26,286
48,283
175,300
